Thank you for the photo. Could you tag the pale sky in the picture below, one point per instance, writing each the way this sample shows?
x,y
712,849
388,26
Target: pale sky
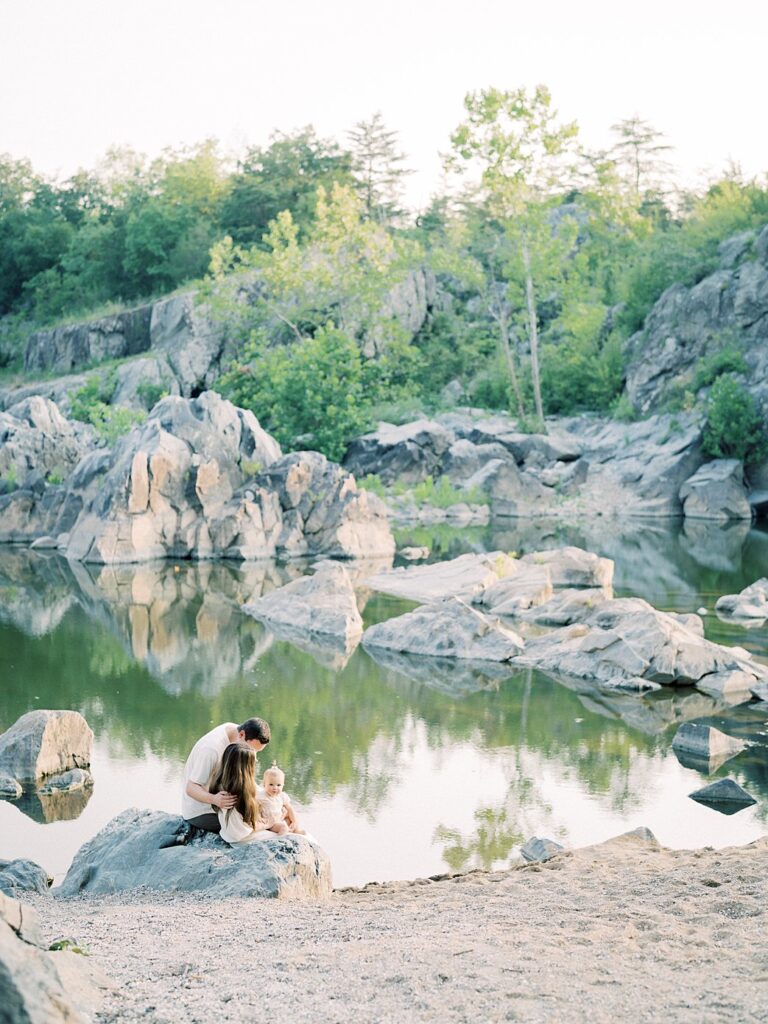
x,y
77,76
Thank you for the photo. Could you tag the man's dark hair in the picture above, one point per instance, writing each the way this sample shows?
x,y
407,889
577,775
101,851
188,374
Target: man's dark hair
x,y
255,729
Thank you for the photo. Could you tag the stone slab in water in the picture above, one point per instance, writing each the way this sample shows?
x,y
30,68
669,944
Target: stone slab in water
x,y
704,747
540,850
463,577
162,852
725,795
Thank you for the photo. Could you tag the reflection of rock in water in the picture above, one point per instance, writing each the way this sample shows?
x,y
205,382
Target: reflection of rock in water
x,y
454,677
651,713
331,652
183,622
53,806
35,591
715,546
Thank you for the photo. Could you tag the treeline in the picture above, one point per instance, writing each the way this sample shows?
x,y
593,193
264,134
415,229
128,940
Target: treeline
x,y
546,256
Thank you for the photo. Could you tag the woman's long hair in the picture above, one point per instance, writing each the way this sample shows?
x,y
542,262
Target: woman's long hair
x,y
236,774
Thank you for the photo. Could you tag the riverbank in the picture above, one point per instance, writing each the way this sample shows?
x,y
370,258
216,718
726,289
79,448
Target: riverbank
x,y
623,931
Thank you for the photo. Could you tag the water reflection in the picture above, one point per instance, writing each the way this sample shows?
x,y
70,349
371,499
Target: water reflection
x,y
470,759
53,806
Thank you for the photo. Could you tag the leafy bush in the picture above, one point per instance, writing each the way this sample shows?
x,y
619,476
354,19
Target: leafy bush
x,y
372,482
621,409
443,494
96,391
150,392
734,427
727,360
112,421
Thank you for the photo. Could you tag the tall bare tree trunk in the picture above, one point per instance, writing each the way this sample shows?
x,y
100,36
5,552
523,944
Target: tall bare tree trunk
x,y
504,335
533,335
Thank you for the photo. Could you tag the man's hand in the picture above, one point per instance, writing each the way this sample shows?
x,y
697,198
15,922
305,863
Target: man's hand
x,y
223,800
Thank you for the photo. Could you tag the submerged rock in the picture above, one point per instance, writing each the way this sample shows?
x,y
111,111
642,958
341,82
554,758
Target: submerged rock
x,y
322,603
725,795
66,782
463,577
750,603
716,491
44,743
164,853
705,744
447,629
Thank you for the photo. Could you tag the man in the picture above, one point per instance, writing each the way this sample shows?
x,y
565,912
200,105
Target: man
x,y
196,801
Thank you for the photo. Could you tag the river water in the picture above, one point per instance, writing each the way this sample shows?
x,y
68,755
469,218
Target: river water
x,y
400,769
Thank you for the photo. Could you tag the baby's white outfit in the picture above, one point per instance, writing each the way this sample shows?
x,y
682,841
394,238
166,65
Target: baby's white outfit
x,y
271,807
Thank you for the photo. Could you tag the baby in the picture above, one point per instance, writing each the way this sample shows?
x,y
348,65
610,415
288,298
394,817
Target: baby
x,y
275,808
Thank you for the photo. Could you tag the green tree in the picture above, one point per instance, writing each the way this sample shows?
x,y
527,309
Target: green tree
x,y
525,161
377,165
639,152
734,428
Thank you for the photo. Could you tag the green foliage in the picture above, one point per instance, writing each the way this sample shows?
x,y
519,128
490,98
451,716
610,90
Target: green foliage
x,y
621,409
150,392
442,494
111,422
312,394
9,479
55,476
734,428
372,482
250,467
727,360
96,391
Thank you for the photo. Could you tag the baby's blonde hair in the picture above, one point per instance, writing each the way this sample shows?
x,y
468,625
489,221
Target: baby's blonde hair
x,y
274,769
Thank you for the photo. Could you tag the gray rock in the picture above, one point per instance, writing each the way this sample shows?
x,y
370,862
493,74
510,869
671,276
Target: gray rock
x,y
573,567
18,876
164,853
733,685
74,346
10,789
447,629
750,603
725,795
464,458
39,986
136,376
66,782
409,453
464,577
568,606
323,603
705,744
512,492
552,447
716,491
627,639
540,850
35,439
44,743
414,554
526,587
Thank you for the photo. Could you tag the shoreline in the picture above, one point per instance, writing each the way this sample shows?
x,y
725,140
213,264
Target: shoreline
x,y
625,930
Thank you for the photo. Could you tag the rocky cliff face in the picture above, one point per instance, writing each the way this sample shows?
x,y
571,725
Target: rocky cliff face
x,y
687,326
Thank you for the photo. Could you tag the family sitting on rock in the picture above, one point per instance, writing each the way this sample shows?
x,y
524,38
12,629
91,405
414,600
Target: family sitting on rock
x,y
220,773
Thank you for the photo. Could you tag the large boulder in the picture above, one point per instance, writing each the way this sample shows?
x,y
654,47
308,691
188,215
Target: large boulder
x,y
567,606
447,629
37,441
43,743
573,567
19,876
409,453
716,491
626,641
322,603
73,346
725,795
40,986
524,588
556,446
696,744
463,577
164,853
750,603
512,492
464,458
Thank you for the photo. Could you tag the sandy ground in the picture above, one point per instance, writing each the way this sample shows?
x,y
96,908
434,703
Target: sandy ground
x,y
624,931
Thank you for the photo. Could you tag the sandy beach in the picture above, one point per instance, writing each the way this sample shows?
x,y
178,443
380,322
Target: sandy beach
x,y
623,931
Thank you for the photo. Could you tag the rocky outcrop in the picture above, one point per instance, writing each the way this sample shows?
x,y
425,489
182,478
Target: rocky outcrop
x,y
705,744
37,443
626,642
573,567
62,349
40,986
43,743
322,603
526,587
447,629
725,795
200,479
462,577
689,325
409,453
750,603
568,606
511,492
716,491
164,853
